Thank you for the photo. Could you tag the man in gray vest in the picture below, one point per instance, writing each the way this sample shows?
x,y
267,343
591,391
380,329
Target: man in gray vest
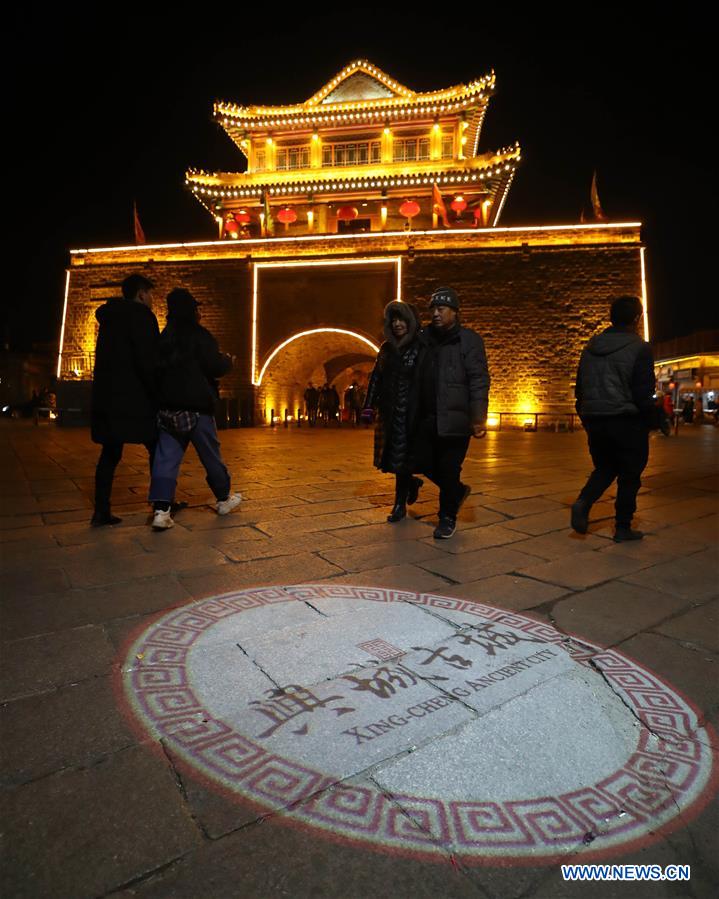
x,y
614,391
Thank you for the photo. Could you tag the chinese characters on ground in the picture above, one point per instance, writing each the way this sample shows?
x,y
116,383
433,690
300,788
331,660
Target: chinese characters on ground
x,y
481,642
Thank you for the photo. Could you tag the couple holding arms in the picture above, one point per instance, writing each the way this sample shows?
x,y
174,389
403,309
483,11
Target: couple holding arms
x,y
158,389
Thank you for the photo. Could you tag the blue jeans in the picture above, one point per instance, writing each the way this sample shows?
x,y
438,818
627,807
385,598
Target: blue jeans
x,y
171,451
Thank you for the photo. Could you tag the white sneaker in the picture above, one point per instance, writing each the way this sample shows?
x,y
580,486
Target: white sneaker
x,y
225,506
162,520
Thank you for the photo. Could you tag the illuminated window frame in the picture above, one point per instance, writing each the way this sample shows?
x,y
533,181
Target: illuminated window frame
x,y
380,260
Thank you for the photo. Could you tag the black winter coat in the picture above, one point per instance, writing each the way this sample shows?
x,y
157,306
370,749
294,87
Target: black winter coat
x,y
123,389
461,380
615,376
187,369
393,391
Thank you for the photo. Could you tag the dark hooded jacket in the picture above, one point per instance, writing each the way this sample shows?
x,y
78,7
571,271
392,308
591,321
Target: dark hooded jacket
x,y
455,382
615,376
393,391
188,363
123,388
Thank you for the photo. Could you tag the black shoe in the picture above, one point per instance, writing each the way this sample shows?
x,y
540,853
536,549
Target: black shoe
x,y
445,528
414,488
399,511
178,507
99,521
580,516
466,490
623,534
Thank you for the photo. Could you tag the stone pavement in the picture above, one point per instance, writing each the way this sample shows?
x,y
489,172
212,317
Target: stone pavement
x,y
140,761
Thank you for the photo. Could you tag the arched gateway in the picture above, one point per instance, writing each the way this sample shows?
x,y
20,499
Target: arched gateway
x,y
322,355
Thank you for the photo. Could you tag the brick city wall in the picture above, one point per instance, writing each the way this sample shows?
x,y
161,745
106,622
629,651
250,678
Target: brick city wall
x,y
534,304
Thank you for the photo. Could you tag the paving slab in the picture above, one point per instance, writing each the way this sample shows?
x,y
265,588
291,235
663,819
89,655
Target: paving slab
x,y
518,508
292,526
584,569
465,539
381,555
98,573
408,529
126,812
291,569
508,591
37,664
263,547
614,611
679,512
398,577
73,726
34,581
541,523
475,564
560,544
248,864
693,577
699,626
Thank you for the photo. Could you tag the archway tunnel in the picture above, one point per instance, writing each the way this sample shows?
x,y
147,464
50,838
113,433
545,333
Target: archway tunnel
x,y
319,357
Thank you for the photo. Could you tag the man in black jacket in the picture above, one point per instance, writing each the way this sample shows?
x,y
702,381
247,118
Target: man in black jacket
x,y
454,394
614,391
123,388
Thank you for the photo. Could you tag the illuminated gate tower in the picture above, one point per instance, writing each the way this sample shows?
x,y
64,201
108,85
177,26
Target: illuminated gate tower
x,y
366,192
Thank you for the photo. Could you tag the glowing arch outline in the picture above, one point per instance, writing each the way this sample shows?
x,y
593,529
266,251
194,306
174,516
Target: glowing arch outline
x,y
299,334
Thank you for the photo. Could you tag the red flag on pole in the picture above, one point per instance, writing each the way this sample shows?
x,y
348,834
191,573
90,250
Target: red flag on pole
x,y
596,205
139,233
438,206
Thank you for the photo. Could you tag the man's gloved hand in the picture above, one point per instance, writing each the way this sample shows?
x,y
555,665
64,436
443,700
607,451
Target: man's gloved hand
x,y
479,430
367,415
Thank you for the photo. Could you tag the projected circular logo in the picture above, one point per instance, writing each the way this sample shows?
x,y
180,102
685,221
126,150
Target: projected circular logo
x,y
418,722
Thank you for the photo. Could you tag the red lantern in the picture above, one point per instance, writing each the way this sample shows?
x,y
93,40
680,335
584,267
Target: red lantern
x,y
347,213
287,215
409,209
459,204
243,217
232,227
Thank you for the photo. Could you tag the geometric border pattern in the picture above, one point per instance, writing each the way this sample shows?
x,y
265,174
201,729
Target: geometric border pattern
x,y
650,789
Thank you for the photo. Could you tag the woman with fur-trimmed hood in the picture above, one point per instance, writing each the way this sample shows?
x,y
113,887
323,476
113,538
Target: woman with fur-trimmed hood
x,y
393,392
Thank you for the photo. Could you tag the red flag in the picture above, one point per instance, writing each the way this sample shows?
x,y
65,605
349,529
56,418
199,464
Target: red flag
x,y
438,206
596,205
139,233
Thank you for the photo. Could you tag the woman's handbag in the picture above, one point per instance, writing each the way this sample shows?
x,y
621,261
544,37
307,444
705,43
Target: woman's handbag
x,y
177,422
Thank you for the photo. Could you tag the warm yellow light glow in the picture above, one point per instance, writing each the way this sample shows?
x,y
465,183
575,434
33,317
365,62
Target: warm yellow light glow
x,y
310,219
289,340
598,226
255,274
645,302
492,421
64,316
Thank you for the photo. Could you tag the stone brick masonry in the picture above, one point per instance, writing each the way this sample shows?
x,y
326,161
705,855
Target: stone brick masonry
x,y
535,295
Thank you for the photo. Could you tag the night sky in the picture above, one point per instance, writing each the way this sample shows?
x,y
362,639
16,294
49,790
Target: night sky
x,y
110,112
